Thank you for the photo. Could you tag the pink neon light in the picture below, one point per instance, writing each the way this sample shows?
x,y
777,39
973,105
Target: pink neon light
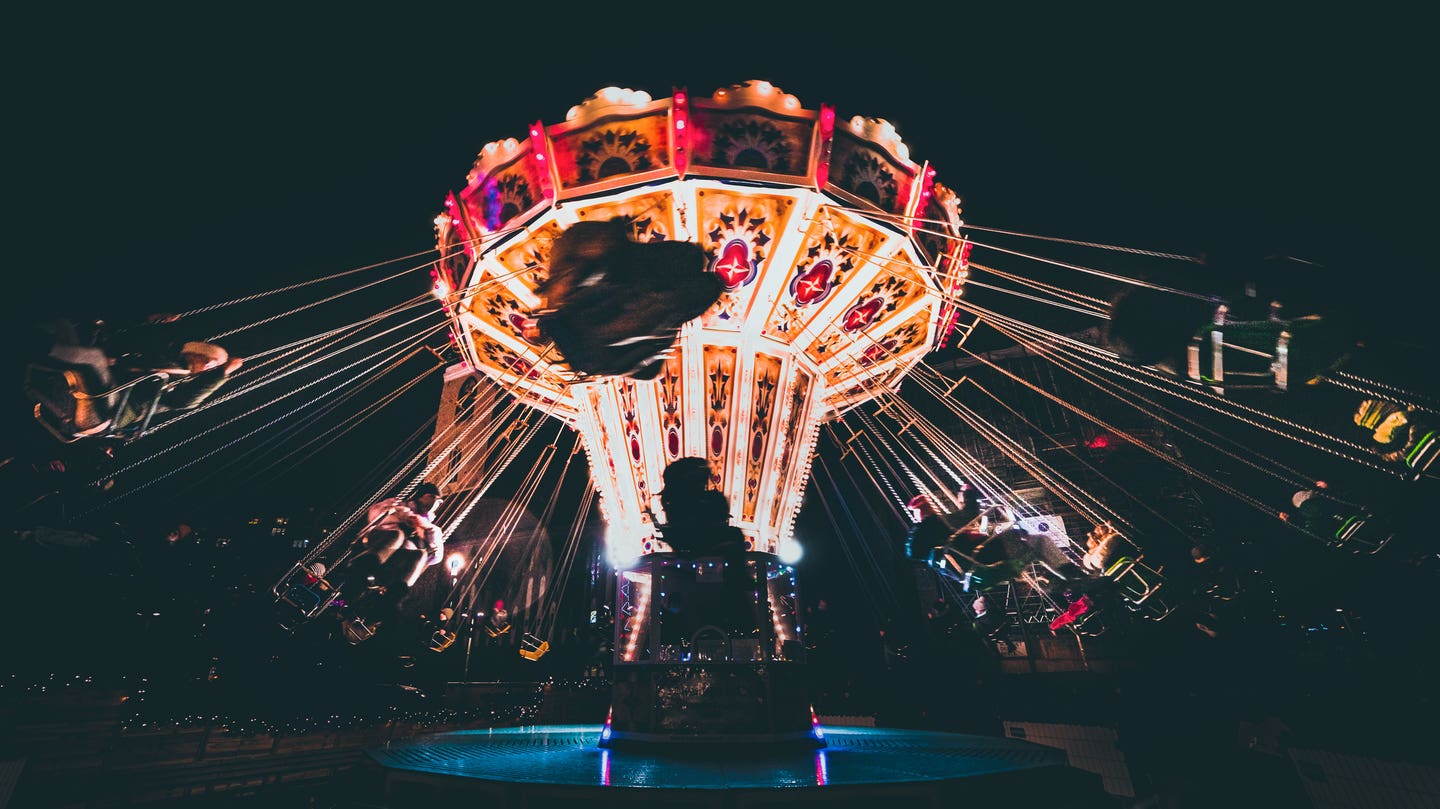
x,y
538,147
827,139
680,132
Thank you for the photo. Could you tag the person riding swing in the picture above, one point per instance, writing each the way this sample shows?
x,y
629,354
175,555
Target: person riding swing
x,y
397,546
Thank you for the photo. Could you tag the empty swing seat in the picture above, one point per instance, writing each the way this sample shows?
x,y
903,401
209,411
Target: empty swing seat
x,y
1136,582
443,639
533,648
1362,535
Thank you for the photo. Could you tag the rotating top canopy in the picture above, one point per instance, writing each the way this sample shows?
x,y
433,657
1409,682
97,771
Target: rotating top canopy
x,y
837,254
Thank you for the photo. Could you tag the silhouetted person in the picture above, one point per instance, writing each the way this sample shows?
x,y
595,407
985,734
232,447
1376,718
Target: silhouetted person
x,y
1153,327
614,306
971,508
697,517
927,530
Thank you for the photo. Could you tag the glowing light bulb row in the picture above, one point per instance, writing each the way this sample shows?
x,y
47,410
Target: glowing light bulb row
x,y
880,131
642,617
761,91
608,97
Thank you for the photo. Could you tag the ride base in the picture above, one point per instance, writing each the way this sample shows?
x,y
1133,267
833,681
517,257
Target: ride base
x,y
708,649
564,765
709,707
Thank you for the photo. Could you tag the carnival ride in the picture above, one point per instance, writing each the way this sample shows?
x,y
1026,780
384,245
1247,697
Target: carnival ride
x,y
851,287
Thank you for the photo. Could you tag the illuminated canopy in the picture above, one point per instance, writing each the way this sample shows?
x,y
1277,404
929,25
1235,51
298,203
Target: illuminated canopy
x,y
837,253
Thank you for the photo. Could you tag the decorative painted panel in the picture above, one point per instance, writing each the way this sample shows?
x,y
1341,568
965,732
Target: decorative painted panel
x,y
650,215
719,400
458,245
897,343
504,362
897,286
749,140
499,195
833,249
940,216
669,395
869,173
796,411
762,410
602,458
497,307
614,147
634,437
864,388
739,232
529,259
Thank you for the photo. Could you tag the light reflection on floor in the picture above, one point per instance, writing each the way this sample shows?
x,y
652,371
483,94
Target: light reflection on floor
x,y
568,755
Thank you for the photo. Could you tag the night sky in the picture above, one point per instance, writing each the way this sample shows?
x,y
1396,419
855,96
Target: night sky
x,y
162,162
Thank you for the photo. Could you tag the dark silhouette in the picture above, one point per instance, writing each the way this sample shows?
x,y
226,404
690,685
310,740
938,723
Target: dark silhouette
x,y
614,306
697,518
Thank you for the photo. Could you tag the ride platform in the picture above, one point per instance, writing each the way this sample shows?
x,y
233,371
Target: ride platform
x,y
564,765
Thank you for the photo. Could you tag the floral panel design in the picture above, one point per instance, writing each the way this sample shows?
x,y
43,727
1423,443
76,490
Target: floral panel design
x,y
612,148
864,388
530,259
604,450
634,441
505,362
799,398
909,335
749,141
457,245
934,245
669,395
869,173
504,195
499,308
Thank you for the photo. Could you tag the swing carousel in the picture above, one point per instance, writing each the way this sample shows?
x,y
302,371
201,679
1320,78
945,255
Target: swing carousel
x,y
841,267
831,292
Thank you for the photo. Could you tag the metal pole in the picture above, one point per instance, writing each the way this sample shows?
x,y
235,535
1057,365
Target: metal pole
x,y
469,642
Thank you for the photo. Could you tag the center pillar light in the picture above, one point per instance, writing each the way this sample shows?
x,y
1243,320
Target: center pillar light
x,y
837,253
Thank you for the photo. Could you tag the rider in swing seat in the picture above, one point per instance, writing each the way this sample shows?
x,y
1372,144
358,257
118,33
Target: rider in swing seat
x,y
401,541
614,306
157,368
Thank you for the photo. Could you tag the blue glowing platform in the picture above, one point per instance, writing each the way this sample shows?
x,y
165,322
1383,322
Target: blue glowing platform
x,y
557,765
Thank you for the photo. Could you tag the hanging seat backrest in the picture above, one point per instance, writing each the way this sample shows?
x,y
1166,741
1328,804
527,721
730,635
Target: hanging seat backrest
x,y
67,405
1136,581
